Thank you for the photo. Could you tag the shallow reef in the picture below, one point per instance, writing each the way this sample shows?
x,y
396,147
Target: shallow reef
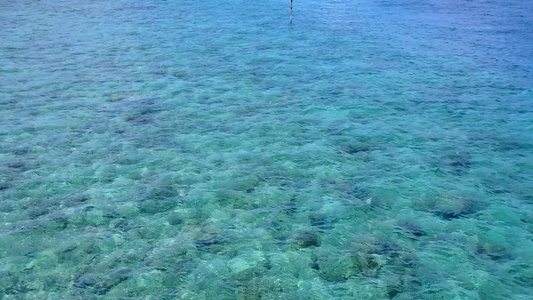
x,y
210,150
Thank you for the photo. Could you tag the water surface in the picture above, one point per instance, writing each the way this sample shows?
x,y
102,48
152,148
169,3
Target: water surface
x,y
211,150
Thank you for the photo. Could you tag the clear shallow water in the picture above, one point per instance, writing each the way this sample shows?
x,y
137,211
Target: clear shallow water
x,y
206,150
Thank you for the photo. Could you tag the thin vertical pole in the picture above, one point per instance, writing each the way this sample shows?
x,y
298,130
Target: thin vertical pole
x,y
291,11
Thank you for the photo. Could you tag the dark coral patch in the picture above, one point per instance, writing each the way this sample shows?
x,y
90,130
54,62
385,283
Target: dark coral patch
x,y
307,239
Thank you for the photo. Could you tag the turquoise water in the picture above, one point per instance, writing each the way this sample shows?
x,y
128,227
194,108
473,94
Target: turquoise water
x,y
211,150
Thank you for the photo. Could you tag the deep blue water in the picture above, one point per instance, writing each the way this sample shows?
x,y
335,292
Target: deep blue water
x,y
214,150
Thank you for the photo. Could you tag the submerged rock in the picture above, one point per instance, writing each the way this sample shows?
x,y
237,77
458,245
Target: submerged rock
x,y
119,275
217,239
401,286
120,224
307,239
447,215
20,151
449,207
411,229
317,219
370,254
36,211
367,263
8,282
6,206
332,265
246,261
75,199
175,219
454,162
356,148
4,186
278,228
19,165
86,281
455,208
159,200
162,192
314,263
289,207
361,192
100,285
157,206
491,251
58,221
139,120
101,288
